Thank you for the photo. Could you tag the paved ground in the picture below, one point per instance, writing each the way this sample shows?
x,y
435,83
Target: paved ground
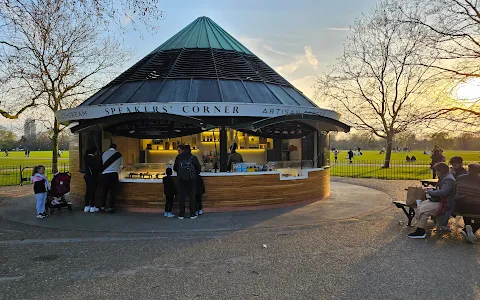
x,y
364,256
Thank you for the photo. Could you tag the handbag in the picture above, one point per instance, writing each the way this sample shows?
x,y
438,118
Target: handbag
x,y
415,193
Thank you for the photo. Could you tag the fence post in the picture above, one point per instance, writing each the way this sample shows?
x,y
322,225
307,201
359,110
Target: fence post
x,y
21,176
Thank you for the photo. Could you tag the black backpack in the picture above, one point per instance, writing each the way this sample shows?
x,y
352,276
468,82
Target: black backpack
x,y
186,170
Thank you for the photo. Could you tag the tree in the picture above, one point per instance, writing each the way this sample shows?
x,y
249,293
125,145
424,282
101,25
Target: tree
x,y
443,140
382,79
453,28
7,139
55,54
20,93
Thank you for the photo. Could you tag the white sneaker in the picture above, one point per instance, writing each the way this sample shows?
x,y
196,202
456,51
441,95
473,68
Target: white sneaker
x,y
40,216
93,209
180,218
170,215
193,217
86,209
165,214
96,209
200,212
470,235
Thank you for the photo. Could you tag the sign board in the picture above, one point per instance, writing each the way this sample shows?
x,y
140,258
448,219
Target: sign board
x,y
204,109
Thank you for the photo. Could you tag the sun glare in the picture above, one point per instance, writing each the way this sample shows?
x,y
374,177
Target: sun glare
x,y
468,91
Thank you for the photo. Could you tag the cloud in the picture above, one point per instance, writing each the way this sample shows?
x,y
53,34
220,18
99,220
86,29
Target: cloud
x,y
339,28
307,59
311,58
269,48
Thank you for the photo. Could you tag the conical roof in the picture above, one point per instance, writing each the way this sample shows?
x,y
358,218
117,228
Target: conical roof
x,y
201,63
203,33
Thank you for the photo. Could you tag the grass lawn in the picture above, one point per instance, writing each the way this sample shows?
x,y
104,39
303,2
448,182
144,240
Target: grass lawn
x,y
10,166
17,158
399,157
369,165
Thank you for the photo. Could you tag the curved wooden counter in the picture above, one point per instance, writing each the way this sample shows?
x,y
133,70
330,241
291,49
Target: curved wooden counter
x,y
224,191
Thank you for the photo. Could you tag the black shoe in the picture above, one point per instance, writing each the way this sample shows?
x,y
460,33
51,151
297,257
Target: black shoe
x,y
109,210
193,217
44,214
418,234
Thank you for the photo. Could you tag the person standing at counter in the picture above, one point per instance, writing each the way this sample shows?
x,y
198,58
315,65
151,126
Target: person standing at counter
x,y
112,165
170,191
188,168
234,157
92,170
199,192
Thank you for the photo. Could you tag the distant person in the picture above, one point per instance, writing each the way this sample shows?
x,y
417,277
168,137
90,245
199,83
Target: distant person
x,y
234,157
446,189
41,186
59,153
169,190
436,157
413,158
112,165
26,153
92,173
187,167
457,166
350,156
6,152
382,151
408,159
199,192
335,154
424,151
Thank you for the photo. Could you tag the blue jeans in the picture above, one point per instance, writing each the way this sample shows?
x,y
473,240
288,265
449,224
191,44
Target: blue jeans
x,y
41,198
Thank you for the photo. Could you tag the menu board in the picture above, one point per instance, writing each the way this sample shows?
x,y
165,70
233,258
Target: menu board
x,y
153,129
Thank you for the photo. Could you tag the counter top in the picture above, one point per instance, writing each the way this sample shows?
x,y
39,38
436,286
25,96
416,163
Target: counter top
x,y
226,174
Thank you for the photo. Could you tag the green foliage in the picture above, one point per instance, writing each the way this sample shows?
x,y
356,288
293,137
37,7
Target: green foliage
x,y
7,139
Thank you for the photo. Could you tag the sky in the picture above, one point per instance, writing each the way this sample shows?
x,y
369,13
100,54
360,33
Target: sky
x,y
299,39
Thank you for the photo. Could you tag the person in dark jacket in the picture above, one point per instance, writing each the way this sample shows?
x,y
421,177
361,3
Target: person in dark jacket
x,y
199,192
350,156
92,173
188,168
170,191
436,157
457,166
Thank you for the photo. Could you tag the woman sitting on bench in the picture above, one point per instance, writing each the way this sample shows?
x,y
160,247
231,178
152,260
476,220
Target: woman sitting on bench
x,y
428,208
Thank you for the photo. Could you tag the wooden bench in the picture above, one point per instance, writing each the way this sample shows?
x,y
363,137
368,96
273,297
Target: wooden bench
x,y
410,213
429,182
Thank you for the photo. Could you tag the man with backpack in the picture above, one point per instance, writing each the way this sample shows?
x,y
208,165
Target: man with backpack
x,y
187,167
112,165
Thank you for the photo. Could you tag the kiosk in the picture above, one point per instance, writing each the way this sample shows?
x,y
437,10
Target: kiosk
x,y
204,88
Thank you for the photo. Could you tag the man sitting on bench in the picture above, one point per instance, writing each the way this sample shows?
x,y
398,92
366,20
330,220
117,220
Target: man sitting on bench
x,y
446,189
468,187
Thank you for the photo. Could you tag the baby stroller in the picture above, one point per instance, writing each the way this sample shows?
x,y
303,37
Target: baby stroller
x,y
56,196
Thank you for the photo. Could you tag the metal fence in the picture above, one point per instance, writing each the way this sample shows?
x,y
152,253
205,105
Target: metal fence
x,y
20,174
374,169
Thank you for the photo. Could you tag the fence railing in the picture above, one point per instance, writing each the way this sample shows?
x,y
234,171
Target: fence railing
x,y
12,175
374,169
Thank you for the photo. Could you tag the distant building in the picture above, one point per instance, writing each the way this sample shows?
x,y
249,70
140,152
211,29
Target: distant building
x,y
30,130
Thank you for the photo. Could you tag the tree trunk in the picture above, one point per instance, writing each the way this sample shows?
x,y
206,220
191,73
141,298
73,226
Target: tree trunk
x,y
56,131
388,154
